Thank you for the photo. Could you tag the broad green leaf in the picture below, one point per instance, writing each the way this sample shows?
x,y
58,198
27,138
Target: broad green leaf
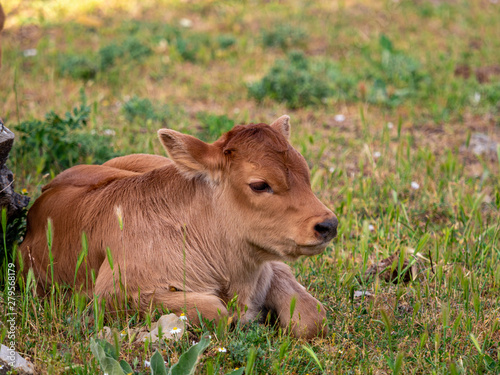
x,y
386,43
188,360
97,350
108,364
158,364
111,367
109,349
126,367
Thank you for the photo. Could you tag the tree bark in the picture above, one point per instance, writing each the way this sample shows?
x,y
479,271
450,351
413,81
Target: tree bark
x,y
8,197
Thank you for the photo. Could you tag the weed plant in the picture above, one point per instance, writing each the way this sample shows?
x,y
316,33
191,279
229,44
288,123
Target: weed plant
x,y
213,126
226,41
87,68
284,36
142,109
396,75
57,143
292,81
78,67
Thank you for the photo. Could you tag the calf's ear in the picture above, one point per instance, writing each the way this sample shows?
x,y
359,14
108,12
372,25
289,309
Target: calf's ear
x,y
192,156
283,126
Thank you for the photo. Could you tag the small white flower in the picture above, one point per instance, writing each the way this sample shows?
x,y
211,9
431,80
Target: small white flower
x,y
476,98
109,132
339,117
147,364
185,22
1,367
371,228
123,333
209,336
390,125
175,330
162,45
194,342
222,350
377,154
183,317
415,185
30,52
331,169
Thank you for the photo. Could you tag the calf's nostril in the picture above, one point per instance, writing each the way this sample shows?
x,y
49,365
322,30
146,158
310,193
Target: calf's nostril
x,y
327,229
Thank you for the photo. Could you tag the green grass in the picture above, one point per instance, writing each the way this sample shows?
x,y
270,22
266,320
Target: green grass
x,y
389,67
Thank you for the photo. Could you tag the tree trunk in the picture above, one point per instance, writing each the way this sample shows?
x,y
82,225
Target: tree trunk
x,y
8,197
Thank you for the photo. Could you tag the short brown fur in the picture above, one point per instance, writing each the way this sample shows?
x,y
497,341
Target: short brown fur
x,y
205,203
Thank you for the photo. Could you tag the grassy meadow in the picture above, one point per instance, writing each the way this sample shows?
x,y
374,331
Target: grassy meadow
x,y
394,104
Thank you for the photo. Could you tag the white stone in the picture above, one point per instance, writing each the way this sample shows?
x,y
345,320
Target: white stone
x,y
11,357
362,293
339,118
185,22
30,52
167,324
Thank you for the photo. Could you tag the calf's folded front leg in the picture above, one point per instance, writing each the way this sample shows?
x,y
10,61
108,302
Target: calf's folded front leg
x,y
193,304
309,317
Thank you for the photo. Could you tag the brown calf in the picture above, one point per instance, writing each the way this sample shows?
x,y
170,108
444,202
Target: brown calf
x,y
212,222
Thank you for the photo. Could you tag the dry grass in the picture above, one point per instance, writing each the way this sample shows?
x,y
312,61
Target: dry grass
x,y
361,167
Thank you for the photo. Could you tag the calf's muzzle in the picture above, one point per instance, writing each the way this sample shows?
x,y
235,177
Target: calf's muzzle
x,y
327,229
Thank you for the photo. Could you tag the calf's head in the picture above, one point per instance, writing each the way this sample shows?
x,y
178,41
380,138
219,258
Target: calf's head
x,y
262,185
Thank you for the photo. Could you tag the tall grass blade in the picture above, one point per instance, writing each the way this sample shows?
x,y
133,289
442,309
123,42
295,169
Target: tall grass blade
x,y
398,364
252,355
313,355
83,254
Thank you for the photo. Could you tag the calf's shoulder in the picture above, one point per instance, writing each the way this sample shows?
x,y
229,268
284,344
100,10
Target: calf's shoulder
x,y
88,176
139,163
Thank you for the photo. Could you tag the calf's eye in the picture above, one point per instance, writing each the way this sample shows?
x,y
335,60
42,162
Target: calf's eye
x,y
260,187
